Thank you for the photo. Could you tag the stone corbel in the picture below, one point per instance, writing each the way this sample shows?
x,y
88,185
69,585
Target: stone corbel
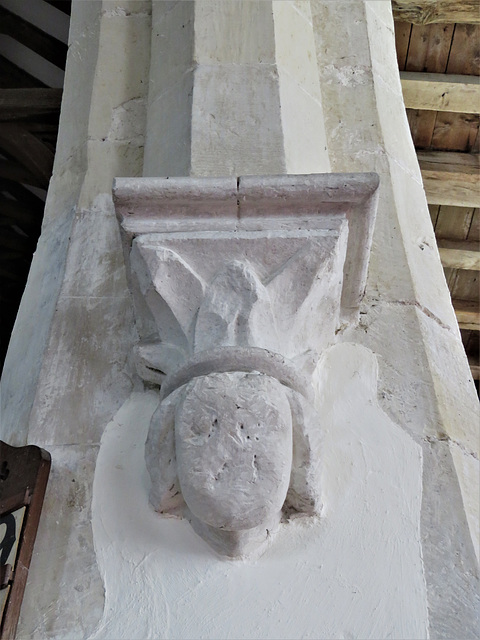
x,y
238,287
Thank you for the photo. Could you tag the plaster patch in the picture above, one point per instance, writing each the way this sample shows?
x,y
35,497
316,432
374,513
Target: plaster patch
x,y
357,572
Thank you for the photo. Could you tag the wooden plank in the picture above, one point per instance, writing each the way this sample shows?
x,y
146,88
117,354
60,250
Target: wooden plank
x,y
474,231
429,48
459,254
455,131
422,126
464,54
466,285
434,210
441,92
34,38
450,178
474,369
28,150
468,314
430,11
453,223
471,340
450,277
24,103
402,40
476,145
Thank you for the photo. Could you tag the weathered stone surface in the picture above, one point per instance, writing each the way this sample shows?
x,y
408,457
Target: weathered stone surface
x,y
234,311
233,440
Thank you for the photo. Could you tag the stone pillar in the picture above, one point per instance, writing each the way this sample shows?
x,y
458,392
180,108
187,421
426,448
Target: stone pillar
x,y
425,383
234,88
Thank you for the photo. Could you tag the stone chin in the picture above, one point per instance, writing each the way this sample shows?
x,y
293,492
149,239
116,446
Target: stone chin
x,y
233,442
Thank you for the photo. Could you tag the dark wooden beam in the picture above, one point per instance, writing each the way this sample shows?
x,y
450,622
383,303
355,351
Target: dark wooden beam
x,y
23,195
450,178
62,5
16,104
13,76
429,11
34,38
28,150
460,254
14,212
468,314
474,367
11,170
441,92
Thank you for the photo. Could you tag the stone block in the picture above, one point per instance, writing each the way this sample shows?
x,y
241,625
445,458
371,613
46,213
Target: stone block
x,y
299,62
118,34
168,138
236,121
304,139
90,378
243,33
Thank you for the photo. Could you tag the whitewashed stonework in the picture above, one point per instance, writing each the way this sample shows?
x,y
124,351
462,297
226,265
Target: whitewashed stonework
x,y
255,88
239,286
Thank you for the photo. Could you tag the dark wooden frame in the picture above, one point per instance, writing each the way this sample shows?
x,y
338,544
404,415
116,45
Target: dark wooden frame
x,y
23,480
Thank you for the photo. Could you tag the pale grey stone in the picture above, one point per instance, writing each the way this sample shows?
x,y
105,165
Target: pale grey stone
x,y
233,311
233,439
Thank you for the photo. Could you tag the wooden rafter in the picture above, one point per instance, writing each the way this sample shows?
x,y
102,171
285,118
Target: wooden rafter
x,y
14,212
450,178
28,150
13,76
441,92
20,103
468,314
459,254
16,172
474,367
429,11
34,38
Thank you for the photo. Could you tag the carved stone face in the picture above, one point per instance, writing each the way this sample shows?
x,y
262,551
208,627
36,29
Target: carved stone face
x,y
233,440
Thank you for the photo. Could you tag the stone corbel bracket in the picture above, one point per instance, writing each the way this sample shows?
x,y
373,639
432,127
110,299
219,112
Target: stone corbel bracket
x,y
238,287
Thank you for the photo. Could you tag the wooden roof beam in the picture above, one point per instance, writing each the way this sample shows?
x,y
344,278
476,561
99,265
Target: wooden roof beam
x,y
32,37
468,314
459,254
450,178
29,151
429,11
441,92
26,103
474,368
